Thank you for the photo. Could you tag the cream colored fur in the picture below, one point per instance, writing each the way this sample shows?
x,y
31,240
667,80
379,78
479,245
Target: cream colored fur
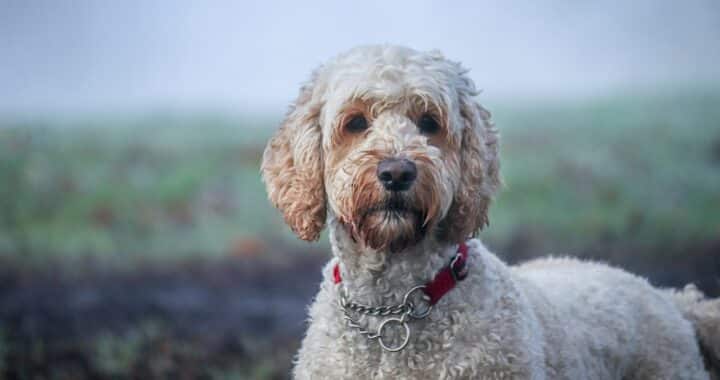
x,y
555,318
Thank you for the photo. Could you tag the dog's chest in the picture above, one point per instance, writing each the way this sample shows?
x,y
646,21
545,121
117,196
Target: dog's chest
x,y
452,343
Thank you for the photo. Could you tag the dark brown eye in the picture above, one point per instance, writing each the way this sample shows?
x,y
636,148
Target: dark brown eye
x,y
428,125
356,124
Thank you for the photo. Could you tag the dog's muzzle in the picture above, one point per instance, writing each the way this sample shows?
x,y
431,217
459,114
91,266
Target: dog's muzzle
x,y
396,174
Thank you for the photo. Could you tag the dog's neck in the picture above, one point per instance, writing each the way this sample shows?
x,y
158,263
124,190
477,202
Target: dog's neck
x,y
376,277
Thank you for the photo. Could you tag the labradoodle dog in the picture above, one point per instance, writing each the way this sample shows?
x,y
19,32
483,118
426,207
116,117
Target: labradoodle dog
x,y
388,147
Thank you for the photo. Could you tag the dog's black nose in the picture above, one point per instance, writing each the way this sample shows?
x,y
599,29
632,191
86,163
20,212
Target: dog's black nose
x,y
396,174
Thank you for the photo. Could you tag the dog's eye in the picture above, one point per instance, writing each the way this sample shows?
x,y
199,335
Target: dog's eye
x,y
356,124
428,125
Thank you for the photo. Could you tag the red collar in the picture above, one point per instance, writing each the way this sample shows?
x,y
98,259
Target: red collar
x,y
443,282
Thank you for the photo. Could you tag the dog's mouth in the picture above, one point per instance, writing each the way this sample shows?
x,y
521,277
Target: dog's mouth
x,y
393,223
393,206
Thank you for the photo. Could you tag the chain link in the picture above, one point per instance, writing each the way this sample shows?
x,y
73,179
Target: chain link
x,y
405,309
378,311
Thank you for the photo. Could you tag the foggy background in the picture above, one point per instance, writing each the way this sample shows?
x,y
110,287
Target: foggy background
x,y
136,239
67,56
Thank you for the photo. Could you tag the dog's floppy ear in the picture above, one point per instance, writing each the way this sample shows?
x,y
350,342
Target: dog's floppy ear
x,y
479,168
292,167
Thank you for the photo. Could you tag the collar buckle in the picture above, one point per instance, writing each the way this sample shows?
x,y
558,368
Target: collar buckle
x,y
458,267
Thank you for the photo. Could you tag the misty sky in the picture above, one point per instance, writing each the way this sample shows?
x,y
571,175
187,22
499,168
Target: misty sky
x,y
76,56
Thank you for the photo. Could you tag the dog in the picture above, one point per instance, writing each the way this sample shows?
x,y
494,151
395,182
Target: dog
x,y
388,148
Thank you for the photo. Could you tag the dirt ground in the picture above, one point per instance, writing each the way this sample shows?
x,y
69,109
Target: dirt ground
x,y
229,318
232,318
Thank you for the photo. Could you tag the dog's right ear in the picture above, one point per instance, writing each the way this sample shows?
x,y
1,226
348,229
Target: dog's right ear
x,y
292,166
479,163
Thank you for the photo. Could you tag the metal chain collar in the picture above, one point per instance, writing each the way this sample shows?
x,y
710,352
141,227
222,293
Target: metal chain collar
x,y
405,310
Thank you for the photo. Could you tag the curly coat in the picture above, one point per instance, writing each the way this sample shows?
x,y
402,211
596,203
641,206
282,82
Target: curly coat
x,y
548,319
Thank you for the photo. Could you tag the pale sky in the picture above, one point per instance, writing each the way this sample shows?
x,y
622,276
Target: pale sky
x,y
78,56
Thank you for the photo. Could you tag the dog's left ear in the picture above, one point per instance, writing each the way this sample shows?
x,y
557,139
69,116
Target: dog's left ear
x,y
292,167
479,168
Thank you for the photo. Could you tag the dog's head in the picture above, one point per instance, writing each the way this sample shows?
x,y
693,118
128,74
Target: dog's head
x,y
392,143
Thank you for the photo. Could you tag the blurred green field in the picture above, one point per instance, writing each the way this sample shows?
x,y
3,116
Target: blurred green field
x,y
640,168
144,247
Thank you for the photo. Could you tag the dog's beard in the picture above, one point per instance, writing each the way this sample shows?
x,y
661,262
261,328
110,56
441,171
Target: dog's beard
x,y
385,220
392,224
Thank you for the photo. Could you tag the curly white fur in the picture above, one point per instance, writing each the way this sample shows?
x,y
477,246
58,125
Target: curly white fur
x,y
554,318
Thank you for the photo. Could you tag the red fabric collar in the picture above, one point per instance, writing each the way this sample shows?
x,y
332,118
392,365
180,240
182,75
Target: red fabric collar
x,y
443,282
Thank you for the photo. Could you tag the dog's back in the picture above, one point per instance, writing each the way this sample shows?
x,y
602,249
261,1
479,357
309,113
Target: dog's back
x,y
594,311
705,316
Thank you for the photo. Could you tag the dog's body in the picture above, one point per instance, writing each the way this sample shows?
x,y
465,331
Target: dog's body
x,y
547,319
387,146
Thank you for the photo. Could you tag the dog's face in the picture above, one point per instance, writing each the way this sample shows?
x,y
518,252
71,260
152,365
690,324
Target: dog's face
x,y
391,141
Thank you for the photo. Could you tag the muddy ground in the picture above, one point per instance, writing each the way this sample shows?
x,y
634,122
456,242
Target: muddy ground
x,y
226,318
231,318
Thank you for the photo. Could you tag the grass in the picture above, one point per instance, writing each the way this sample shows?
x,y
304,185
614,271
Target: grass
x,y
634,171
150,187
633,168
641,167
